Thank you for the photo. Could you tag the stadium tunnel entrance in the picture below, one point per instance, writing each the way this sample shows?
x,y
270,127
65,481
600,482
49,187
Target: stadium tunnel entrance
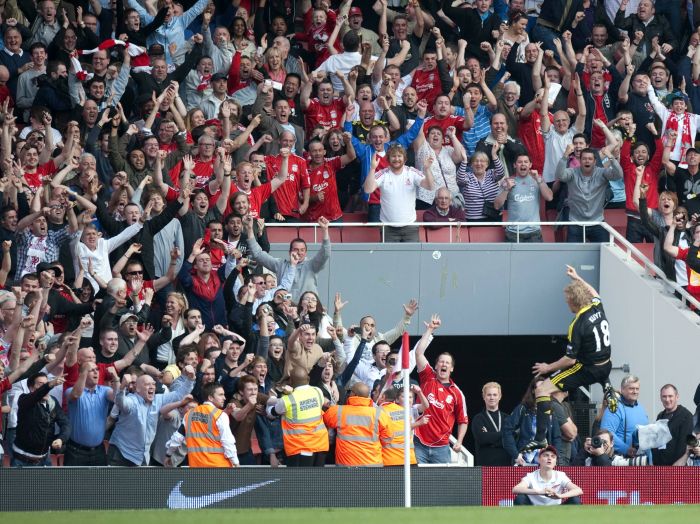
x,y
504,359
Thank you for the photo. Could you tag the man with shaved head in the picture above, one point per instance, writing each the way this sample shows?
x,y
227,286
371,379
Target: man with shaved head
x,y
135,430
305,436
360,425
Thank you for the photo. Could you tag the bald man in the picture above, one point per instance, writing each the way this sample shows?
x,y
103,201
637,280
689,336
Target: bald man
x,y
139,412
360,425
305,436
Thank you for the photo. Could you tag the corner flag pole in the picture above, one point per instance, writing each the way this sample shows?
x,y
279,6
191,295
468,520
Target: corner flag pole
x,y
406,422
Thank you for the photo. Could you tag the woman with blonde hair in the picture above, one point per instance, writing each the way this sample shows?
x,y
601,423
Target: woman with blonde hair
x,y
175,307
273,67
487,429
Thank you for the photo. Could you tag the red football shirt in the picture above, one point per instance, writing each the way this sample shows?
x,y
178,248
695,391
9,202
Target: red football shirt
x,y
427,85
451,120
44,171
328,116
323,181
447,406
530,134
203,171
288,195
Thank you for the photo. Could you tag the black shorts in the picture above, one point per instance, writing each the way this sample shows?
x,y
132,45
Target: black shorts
x,y
571,378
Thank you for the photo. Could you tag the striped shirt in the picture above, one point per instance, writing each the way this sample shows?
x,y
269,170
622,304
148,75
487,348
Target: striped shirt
x,y
475,193
480,129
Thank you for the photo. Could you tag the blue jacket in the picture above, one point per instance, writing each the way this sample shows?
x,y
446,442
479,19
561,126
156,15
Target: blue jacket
x,y
365,151
517,431
623,423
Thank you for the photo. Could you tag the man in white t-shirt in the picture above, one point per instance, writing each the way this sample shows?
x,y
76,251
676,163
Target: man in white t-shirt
x,y
545,486
398,183
558,135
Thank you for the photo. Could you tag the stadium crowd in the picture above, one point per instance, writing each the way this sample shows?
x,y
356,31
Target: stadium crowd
x,y
146,146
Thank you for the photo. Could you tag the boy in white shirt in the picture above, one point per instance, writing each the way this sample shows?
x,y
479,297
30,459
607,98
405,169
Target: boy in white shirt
x,y
545,486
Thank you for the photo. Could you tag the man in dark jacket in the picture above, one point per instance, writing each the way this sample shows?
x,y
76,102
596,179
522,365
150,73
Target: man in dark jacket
x,y
555,18
680,423
158,78
150,229
510,149
476,26
37,414
53,92
652,26
204,286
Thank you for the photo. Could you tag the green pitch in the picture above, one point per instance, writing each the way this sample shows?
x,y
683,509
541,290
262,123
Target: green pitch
x,y
476,515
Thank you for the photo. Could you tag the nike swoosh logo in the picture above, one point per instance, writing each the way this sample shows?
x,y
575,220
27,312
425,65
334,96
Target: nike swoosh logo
x,y
177,500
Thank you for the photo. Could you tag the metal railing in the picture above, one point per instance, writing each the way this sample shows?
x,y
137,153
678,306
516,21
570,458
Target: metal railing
x,y
649,267
454,227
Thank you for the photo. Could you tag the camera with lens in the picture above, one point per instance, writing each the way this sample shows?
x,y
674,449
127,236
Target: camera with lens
x,y
692,441
640,460
596,442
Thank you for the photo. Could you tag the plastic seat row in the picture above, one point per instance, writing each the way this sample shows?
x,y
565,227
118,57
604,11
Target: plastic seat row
x,y
360,234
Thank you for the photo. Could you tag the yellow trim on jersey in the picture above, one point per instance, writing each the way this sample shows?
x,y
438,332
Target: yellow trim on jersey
x,y
573,369
580,312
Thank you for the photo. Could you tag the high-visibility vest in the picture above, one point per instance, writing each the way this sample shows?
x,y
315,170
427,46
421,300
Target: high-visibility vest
x,y
204,448
302,425
360,425
392,448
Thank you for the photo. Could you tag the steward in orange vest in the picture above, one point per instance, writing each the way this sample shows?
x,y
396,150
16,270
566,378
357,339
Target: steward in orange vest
x,y
360,425
392,448
305,436
206,433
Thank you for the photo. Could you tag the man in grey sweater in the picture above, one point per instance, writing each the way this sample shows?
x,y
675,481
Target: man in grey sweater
x,y
306,271
588,185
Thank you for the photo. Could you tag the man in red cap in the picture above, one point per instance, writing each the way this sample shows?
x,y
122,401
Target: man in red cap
x,y
366,35
545,486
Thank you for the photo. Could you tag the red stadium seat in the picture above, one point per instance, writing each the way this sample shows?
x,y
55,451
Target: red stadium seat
x,y
334,233
647,249
548,234
308,234
421,234
283,235
419,215
355,217
486,234
361,234
443,234
617,218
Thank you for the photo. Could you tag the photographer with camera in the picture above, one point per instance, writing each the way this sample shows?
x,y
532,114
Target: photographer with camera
x,y
596,451
691,457
600,451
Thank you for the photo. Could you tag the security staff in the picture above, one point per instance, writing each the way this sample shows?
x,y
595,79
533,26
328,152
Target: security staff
x,y
360,426
305,436
392,448
206,433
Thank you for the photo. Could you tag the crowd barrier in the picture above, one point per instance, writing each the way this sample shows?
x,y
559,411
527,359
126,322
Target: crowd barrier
x,y
34,489
68,488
